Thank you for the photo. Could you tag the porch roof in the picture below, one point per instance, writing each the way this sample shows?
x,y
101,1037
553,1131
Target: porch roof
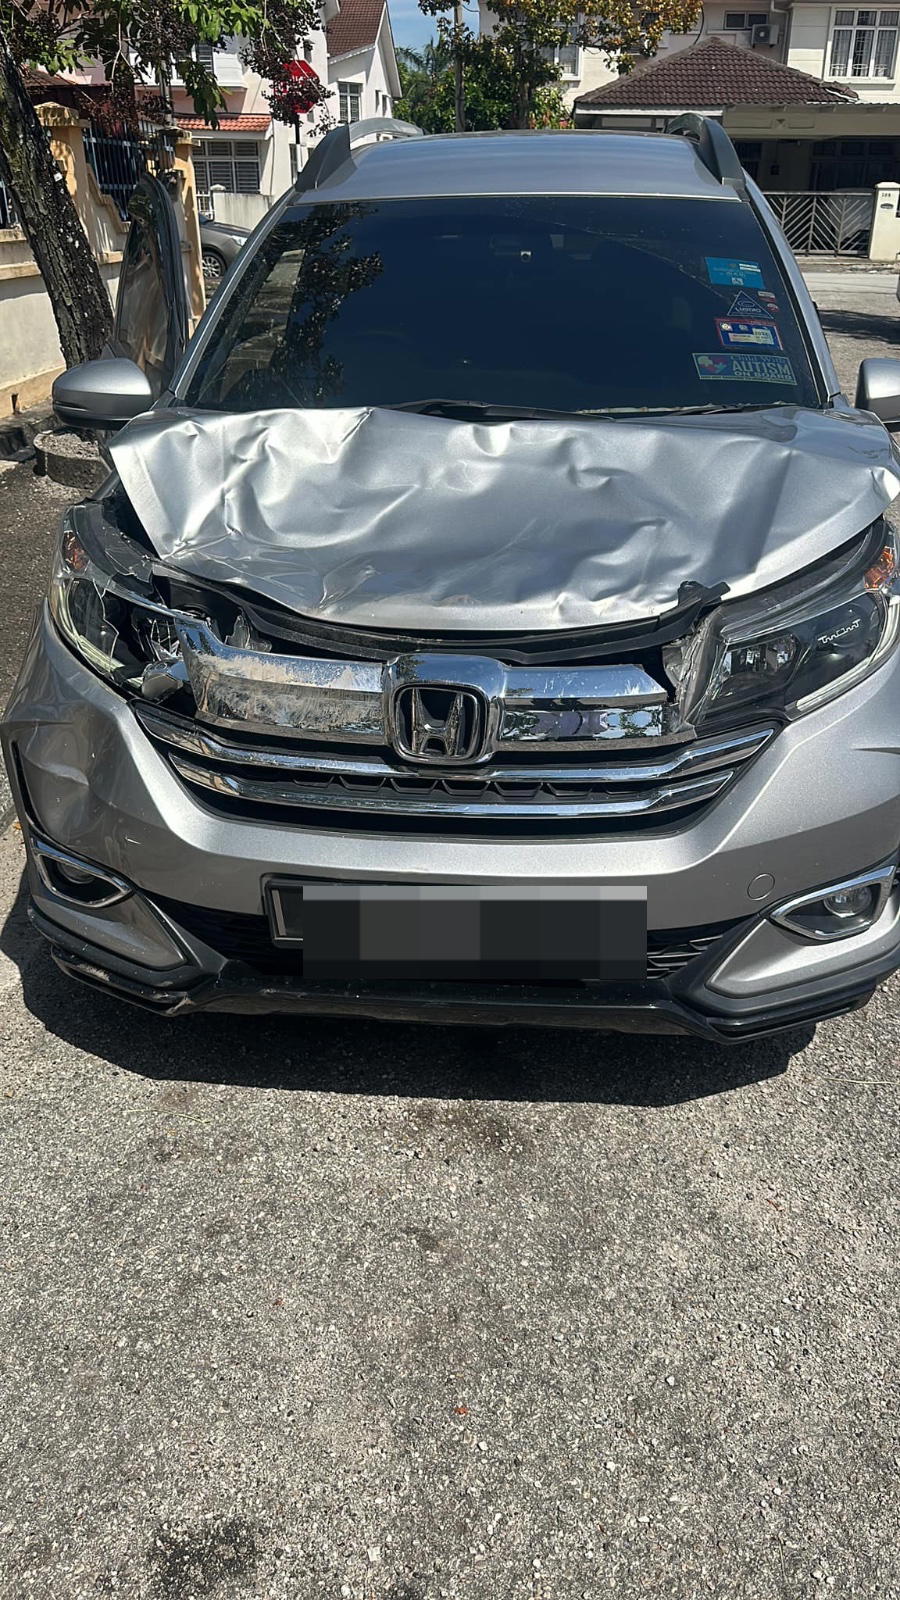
x,y
713,73
237,122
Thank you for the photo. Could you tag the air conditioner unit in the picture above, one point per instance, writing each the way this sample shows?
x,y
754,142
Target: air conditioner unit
x,y
765,33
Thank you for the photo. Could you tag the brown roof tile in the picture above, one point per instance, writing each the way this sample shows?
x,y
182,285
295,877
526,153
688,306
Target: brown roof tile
x,y
355,27
229,122
714,73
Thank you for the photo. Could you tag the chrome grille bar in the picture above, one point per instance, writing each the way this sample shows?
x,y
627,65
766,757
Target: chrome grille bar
x,y
557,708
300,796
190,739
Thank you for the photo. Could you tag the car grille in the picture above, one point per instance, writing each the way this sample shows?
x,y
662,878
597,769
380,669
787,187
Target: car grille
x,y
246,938
293,784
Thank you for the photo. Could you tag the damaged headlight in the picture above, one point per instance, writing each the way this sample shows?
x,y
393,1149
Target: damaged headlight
x,y
813,649
106,619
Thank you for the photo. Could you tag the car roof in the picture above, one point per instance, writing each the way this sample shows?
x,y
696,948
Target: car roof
x,y
540,161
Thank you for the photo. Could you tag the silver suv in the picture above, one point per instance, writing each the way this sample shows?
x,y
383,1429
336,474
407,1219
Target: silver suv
x,y
490,614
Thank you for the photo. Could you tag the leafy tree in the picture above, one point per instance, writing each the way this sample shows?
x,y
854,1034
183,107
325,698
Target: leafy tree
x,y
527,33
489,88
137,45
422,74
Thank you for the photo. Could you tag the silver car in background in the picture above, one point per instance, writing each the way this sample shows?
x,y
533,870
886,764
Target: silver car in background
x,y
490,616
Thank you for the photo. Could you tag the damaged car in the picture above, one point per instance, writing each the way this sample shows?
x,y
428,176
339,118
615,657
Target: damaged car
x,y
491,613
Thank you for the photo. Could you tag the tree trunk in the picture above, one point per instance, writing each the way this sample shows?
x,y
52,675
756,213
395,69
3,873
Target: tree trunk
x,y
523,93
58,242
459,93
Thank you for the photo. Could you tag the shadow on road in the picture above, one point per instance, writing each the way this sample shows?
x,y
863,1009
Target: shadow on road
x,y
864,325
362,1057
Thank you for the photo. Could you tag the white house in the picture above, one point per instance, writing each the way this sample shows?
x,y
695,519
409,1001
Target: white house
x,y
362,65
859,47
250,159
249,153
825,150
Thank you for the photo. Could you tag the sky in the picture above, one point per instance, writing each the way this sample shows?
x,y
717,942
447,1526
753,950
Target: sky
x,y
411,26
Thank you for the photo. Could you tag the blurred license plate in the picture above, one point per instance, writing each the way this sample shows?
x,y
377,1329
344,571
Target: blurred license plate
x,y
455,931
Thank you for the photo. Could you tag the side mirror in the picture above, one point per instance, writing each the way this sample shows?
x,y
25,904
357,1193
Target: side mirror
x,y
101,394
878,389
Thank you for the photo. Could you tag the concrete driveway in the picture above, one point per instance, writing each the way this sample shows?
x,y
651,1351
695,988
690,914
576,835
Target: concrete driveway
x,y
324,1311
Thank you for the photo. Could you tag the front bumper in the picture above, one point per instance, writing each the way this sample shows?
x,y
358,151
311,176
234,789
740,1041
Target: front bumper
x,y
819,803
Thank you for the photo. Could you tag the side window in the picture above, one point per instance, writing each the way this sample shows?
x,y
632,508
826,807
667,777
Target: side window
x,y
142,312
349,101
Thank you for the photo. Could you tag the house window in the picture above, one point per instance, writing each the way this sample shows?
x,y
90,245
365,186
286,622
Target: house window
x,y
204,54
350,97
864,44
741,21
231,164
566,56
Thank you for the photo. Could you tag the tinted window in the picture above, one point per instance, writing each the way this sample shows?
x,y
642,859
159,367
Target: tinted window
x,y
142,310
565,302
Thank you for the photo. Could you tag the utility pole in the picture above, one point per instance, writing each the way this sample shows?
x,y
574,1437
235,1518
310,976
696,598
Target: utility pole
x,y
459,94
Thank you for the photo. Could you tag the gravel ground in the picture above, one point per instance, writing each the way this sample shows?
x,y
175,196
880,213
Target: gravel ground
x,y
325,1311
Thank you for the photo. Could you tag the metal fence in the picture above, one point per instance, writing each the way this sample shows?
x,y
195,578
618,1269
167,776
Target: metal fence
x,y
118,160
8,215
826,224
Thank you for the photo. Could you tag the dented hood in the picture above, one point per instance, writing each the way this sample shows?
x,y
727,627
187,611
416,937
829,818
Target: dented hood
x,y
388,519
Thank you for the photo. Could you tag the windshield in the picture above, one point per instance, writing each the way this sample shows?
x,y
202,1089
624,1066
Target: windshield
x,y
566,303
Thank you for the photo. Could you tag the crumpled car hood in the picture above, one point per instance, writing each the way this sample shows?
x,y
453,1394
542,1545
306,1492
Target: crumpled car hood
x,y
387,519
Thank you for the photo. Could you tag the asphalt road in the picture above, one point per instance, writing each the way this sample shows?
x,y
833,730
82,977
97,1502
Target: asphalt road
x,y
355,1312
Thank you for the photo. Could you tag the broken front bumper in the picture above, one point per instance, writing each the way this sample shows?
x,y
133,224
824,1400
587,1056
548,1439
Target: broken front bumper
x,y
188,928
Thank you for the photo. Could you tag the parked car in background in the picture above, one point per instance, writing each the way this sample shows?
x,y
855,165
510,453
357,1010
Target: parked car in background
x,y
220,244
492,615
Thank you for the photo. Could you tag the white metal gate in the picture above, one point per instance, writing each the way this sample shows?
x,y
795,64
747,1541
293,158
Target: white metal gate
x,y
836,224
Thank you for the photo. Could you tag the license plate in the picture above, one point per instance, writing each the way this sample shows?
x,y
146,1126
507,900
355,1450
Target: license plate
x,y
457,931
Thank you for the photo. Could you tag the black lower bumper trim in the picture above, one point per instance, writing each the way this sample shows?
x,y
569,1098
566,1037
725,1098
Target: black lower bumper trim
x,y
647,1008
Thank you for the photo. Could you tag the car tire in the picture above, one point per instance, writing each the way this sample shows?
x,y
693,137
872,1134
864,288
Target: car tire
x,y
214,267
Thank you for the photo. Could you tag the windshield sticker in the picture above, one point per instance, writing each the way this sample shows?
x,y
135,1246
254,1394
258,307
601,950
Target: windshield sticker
x,y
739,274
744,305
753,333
744,368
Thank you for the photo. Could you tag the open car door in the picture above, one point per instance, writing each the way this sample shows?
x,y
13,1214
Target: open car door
x,y
151,325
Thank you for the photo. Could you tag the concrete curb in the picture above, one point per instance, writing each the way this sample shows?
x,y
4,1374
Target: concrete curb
x,y
17,438
66,458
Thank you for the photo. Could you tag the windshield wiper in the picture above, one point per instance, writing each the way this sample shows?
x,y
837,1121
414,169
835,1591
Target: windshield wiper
x,y
709,409
487,411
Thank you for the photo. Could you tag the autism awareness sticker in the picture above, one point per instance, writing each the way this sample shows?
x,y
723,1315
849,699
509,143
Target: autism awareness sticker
x,y
744,368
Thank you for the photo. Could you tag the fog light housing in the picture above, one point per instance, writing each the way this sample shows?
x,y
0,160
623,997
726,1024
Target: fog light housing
x,y
72,879
72,874
840,910
858,902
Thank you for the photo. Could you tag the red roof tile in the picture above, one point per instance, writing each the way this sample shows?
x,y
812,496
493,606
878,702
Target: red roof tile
x,y
714,73
355,27
245,122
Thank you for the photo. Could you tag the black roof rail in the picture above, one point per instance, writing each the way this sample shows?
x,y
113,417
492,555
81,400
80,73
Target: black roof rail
x,y
714,147
338,142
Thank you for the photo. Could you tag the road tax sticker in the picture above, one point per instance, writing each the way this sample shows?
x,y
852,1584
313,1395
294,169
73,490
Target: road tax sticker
x,y
752,334
744,305
743,368
740,274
